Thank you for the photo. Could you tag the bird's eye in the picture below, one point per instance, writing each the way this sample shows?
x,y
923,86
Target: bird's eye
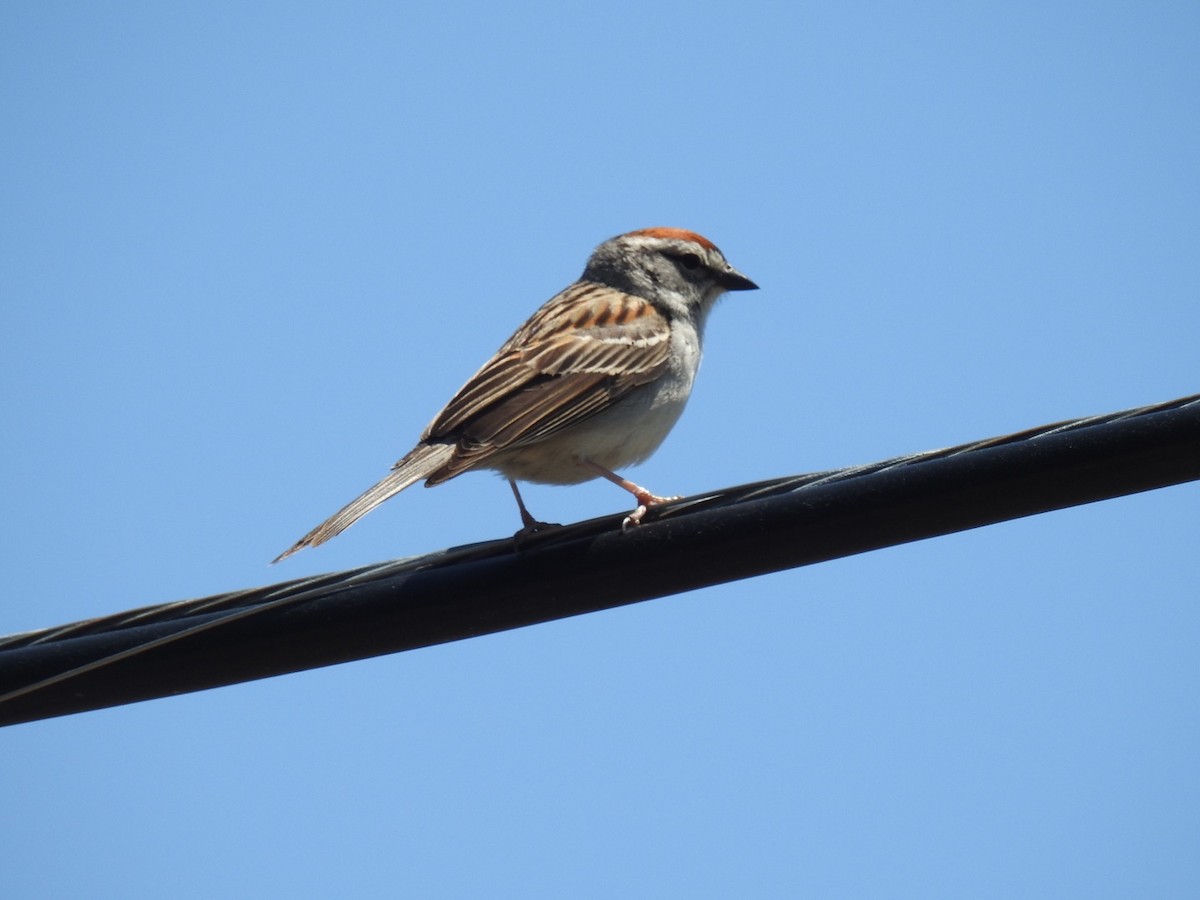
x,y
689,260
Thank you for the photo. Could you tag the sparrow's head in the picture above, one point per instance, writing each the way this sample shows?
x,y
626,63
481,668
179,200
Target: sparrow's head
x,y
680,271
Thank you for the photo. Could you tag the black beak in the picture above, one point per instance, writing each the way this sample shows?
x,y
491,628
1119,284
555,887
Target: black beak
x,y
733,280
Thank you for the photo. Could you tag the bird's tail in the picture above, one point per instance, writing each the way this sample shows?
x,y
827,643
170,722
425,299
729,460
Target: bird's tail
x,y
424,460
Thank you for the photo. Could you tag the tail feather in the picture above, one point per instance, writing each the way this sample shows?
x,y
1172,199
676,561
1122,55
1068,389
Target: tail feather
x,y
420,463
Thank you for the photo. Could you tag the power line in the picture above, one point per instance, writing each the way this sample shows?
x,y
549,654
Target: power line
x,y
483,588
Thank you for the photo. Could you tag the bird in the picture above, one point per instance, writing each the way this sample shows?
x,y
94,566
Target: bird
x,y
591,383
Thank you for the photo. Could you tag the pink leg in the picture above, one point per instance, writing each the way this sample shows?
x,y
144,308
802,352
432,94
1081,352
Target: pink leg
x,y
530,523
644,498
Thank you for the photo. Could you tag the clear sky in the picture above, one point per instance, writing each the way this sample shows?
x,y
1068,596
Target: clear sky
x,y
249,249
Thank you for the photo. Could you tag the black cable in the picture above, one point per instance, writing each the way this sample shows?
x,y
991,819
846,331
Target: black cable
x,y
493,586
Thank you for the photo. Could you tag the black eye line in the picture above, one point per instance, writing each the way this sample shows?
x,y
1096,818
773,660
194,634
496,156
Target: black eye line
x,y
687,260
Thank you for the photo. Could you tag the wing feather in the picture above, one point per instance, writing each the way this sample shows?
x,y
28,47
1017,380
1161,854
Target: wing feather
x,y
580,353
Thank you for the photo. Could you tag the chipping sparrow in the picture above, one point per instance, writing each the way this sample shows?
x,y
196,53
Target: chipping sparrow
x,y
593,381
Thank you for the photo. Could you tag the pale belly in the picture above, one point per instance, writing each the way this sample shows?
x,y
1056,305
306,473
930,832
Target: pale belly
x,y
622,436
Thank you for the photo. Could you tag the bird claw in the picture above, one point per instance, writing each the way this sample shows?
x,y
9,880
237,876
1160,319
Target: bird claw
x,y
645,501
634,518
533,528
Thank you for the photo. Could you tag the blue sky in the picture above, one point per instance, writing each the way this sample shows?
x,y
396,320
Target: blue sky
x,y
248,250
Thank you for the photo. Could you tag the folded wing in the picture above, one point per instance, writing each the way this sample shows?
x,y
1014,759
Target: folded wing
x,y
582,352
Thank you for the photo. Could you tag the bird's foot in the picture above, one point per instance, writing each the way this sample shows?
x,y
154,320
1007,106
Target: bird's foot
x,y
645,500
